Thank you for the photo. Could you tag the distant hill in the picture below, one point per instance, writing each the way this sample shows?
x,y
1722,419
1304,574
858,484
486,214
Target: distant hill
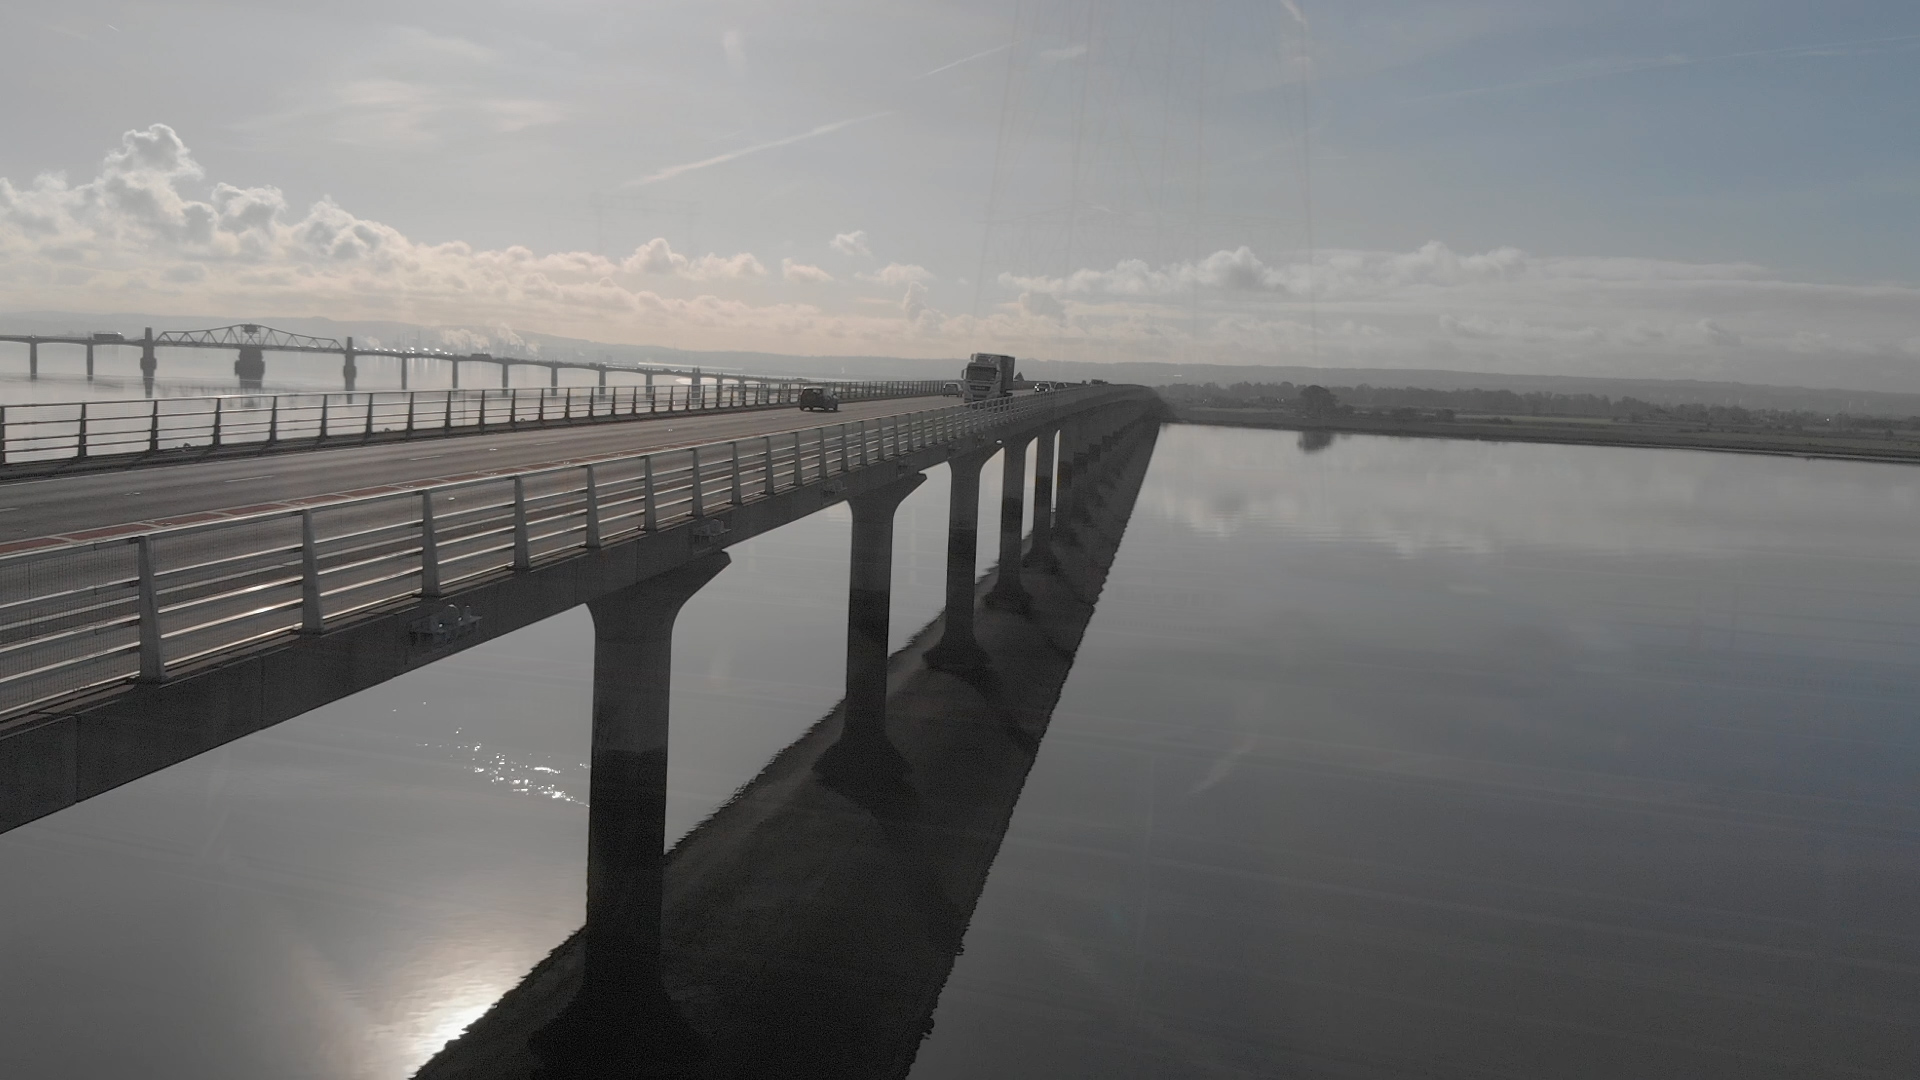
x,y
1656,391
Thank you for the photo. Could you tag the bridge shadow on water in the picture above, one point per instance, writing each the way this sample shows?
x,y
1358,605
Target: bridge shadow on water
x,y
808,926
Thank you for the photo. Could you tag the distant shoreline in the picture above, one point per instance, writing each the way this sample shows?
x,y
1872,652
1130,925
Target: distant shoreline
x,y
1599,433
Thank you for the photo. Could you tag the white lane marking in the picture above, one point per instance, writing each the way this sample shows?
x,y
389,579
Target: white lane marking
x,y
8,509
262,476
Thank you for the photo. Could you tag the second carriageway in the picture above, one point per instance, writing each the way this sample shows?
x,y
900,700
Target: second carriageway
x,y
90,506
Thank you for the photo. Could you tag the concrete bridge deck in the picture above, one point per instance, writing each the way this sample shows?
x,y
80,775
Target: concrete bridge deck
x,y
135,645
154,494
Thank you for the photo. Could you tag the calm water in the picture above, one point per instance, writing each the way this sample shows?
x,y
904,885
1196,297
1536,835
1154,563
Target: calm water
x,y
1395,758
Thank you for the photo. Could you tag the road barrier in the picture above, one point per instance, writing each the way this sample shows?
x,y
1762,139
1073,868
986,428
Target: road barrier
x,y
80,615
91,429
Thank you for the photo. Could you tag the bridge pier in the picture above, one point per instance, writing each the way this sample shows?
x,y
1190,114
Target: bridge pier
x,y
621,1021
456,375
649,391
505,369
148,362
553,376
348,371
957,650
1009,592
403,372
1040,554
863,753
33,360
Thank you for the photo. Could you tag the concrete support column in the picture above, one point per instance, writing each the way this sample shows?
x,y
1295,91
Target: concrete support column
x,y
456,374
1072,458
404,364
958,650
349,371
506,375
148,362
863,752
33,360
649,391
1008,592
621,1021
1040,556
89,361
553,376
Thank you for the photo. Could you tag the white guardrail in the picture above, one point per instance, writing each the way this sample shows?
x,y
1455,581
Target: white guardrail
x,y
137,607
83,429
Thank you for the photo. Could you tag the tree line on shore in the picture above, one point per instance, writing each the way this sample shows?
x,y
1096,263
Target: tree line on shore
x,y
1410,403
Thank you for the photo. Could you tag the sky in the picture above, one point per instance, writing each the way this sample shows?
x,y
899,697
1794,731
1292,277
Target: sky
x,y
1681,188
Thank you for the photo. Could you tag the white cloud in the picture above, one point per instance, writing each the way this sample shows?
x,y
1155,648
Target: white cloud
x,y
894,274
851,243
152,232
794,271
656,256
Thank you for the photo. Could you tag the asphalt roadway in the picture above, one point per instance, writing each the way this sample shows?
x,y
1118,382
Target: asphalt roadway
x,y
68,505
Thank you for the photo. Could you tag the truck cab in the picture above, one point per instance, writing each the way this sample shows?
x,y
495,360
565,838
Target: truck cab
x,y
987,376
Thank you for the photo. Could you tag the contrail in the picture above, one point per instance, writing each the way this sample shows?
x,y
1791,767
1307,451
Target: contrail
x,y
1629,67
963,60
1294,10
672,171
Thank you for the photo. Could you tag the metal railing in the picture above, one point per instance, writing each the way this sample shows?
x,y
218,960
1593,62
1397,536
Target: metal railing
x,y
139,607
80,430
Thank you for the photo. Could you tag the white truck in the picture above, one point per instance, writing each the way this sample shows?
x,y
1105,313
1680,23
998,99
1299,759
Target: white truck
x,y
987,376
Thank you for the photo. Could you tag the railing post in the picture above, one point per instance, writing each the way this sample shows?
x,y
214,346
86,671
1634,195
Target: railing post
x,y
593,511
522,547
410,403
543,406
429,548
699,507
153,665
312,619
153,429
797,466
80,441
652,519
3,434
483,409
446,418
513,409
845,464
769,440
217,403
325,401
734,447
368,434
273,420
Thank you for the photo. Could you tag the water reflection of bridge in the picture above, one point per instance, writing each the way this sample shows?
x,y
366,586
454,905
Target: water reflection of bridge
x,y
807,928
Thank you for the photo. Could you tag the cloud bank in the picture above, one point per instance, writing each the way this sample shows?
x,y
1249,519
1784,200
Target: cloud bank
x,y
150,231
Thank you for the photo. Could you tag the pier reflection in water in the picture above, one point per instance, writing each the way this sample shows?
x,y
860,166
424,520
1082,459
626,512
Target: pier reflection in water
x,y
806,928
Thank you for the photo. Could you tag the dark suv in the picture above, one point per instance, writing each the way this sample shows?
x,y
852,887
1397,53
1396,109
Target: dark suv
x,y
819,397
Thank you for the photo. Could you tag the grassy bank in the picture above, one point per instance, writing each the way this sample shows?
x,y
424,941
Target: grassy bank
x,y
1900,446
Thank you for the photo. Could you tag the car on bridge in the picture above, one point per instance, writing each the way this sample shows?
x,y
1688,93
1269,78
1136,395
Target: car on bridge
x,y
820,398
